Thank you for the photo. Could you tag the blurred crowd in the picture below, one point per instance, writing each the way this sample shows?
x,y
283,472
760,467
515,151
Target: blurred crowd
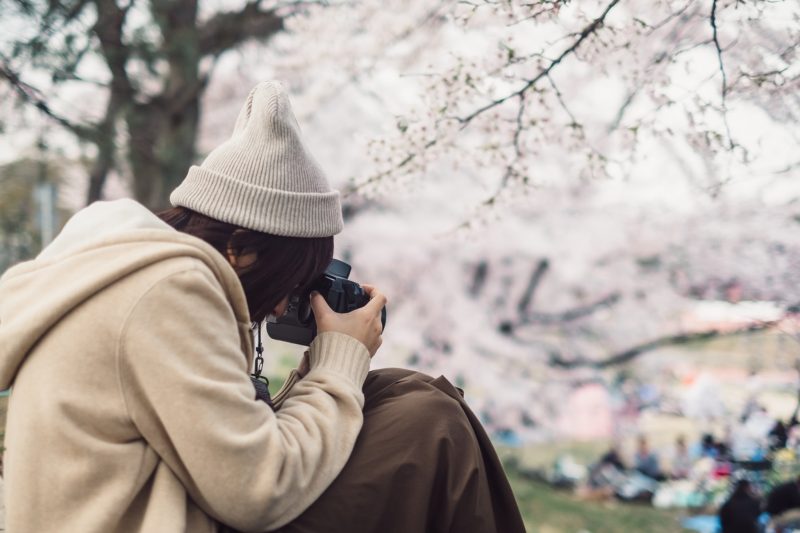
x,y
749,478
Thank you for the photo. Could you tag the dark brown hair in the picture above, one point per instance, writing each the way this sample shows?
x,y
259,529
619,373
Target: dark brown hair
x,y
282,263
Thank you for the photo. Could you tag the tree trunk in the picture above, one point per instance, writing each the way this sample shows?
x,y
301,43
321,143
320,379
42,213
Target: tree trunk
x,y
106,147
164,130
161,149
143,131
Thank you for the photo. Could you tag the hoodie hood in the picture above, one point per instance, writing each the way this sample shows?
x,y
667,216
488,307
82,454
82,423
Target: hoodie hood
x,y
98,246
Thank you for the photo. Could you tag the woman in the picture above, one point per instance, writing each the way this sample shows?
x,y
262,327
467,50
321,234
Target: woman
x,y
128,346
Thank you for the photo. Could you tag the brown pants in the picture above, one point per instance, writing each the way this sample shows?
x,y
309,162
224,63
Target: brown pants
x,y
422,464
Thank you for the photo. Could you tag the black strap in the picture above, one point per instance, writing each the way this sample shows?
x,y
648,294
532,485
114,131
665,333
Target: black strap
x,y
260,383
259,363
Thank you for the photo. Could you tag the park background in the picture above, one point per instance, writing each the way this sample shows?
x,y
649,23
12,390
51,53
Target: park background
x,y
584,213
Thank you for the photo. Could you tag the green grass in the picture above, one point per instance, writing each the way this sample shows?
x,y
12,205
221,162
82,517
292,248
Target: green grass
x,y
547,510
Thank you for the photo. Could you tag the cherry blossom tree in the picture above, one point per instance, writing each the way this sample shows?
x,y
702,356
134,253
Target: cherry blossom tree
x,y
556,184
546,189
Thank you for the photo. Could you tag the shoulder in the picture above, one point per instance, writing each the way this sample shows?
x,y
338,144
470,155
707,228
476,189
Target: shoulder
x,y
184,284
161,277
177,270
185,308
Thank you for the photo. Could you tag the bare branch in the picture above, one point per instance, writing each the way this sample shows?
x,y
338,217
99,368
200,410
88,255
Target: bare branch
x,y
622,110
560,97
510,171
658,25
533,283
625,356
379,176
108,28
33,96
715,38
551,8
582,36
479,277
229,29
377,58
570,314
791,167
355,76
545,319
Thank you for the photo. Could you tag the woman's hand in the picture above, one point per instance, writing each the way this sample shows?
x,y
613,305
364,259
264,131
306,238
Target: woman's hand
x,y
363,324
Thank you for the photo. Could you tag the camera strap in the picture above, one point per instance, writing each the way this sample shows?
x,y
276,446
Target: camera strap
x,y
261,383
259,363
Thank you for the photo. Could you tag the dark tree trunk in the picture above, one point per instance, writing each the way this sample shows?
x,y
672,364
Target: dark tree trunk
x,y
161,149
143,131
163,131
106,147
177,149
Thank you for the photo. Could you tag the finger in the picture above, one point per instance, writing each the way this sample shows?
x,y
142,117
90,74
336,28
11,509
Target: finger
x,y
319,306
377,301
371,290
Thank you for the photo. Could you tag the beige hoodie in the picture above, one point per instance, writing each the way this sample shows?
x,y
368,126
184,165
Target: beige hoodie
x,y
128,347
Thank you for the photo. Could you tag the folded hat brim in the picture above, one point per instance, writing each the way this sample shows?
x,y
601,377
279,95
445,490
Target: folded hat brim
x,y
278,212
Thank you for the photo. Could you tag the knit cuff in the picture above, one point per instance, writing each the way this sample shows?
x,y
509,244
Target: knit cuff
x,y
340,353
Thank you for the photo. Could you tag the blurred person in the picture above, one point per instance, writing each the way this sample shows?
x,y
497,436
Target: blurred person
x,y
646,461
612,457
724,445
128,345
604,476
778,436
607,467
681,459
740,512
708,447
783,505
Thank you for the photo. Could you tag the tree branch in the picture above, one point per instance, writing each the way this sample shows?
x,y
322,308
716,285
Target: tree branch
x,y
570,314
715,38
479,277
625,356
108,28
545,319
510,172
582,36
229,29
629,98
533,283
33,96
379,176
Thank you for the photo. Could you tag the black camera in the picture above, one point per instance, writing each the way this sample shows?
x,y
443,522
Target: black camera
x,y
297,325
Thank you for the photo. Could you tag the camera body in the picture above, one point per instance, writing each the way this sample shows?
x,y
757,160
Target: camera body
x,y
297,325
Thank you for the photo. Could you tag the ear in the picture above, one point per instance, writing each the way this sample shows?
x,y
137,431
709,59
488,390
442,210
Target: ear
x,y
240,260
233,259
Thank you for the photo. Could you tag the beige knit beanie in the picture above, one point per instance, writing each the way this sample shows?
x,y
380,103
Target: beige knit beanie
x,y
263,177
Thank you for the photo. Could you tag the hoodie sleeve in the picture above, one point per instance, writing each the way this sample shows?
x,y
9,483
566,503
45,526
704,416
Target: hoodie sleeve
x,y
184,379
